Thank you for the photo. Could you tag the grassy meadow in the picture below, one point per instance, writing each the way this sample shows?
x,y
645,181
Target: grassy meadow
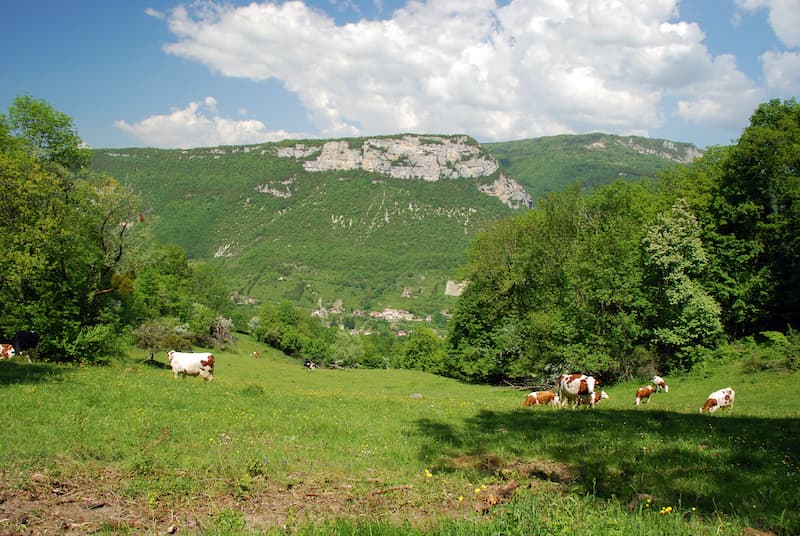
x,y
269,447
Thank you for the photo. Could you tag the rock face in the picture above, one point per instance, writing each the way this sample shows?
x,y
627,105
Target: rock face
x,y
509,191
455,288
668,150
429,158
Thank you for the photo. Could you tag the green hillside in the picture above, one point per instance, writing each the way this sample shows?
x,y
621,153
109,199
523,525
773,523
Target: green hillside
x,y
281,232
552,163
361,238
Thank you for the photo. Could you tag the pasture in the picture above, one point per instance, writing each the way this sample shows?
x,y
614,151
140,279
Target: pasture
x,y
270,447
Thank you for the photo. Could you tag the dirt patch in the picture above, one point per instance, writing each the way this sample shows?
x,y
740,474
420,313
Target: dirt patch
x,y
43,503
525,469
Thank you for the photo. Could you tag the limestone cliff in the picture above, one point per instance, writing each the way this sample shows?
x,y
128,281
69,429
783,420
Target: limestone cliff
x,y
429,158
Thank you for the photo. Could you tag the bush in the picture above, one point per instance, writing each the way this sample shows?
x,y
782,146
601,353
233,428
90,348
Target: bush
x,y
94,344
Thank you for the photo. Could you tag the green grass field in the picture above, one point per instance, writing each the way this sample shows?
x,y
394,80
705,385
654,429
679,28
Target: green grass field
x,y
271,447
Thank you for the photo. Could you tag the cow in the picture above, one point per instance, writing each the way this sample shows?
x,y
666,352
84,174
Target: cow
x,y
643,393
255,355
660,384
596,397
24,341
310,365
574,387
719,399
540,398
192,364
7,351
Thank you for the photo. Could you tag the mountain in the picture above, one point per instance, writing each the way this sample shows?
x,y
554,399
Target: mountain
x,y
360,224
552,163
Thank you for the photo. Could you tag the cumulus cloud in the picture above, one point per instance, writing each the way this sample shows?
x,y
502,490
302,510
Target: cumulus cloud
x,y
521,69
782,71
781,68
197,125
725,98
784,17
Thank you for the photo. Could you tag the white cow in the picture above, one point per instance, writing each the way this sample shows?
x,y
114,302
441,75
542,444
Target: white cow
x,y
192,364
719,399
660,384
577,388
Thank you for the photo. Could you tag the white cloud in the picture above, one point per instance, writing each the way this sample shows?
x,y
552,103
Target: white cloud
x,y
199,125
782,71
521,70
784,17
725,98
781,67
154,13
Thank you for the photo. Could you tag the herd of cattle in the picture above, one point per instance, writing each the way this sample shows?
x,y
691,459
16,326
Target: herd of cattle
x,y
573,389
580,389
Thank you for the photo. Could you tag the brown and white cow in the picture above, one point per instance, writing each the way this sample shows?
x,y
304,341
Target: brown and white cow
x,y
7,351
660,384
643,393
576,388
192,364
540,398
719,399
595,399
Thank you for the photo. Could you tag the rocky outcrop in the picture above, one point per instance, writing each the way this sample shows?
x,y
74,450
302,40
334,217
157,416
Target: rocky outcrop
x,y
683,153
508,191
429,158
455,288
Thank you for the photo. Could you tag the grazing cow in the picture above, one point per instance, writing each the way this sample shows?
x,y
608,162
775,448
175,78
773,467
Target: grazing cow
x,y
24,341
643,393
660,384
310,365
192,364
540,398
577,387
596,397
256,355
7,351
719,399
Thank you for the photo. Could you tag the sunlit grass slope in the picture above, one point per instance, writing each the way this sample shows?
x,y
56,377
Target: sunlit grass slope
x,y
411,450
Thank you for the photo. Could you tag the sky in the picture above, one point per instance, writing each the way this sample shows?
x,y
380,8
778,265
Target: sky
x,y
178,73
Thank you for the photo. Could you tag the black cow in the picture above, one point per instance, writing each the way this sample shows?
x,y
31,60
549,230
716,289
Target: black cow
x,y
24,341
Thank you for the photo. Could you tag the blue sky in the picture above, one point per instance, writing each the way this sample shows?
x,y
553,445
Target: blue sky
x,y
201,73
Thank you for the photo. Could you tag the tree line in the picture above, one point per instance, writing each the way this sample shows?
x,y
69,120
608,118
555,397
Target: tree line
x,y
626,279
636,277
78,265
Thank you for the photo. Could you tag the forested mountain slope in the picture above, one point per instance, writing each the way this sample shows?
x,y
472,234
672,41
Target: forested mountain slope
x,y
362,224
552,163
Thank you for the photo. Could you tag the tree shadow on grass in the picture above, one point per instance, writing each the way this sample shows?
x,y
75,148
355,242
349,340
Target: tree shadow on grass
x,y
743,466
154,363
16,372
